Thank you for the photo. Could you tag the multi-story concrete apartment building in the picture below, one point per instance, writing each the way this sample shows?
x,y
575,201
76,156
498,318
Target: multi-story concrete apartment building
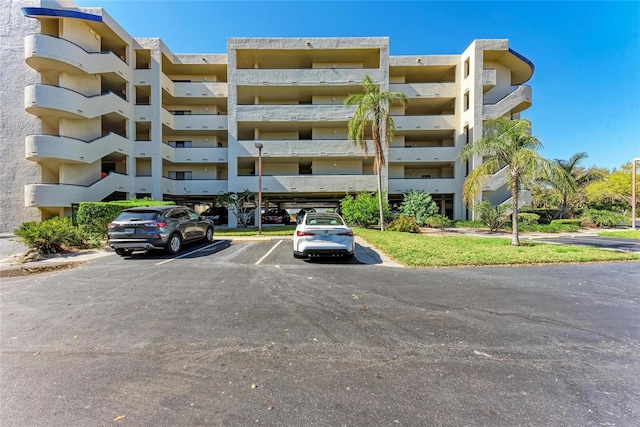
x,y
106,116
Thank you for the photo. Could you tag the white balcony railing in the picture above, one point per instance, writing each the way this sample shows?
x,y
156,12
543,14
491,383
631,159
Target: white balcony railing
x,y
211,122
425,90
422,154
40,99
194,186
306,77
515,101
306,183
293,113
42,51
43,147
55,195
432,185
406,123
303,148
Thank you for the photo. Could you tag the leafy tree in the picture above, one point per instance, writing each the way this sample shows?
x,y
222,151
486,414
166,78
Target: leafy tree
x,y
613,191
372,112
580,177
419,205
362,209
508,142
240,204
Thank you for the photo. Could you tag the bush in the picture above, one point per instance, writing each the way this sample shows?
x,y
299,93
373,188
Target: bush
x,y
545,215
493,216
363,210
601,218
51,236
554,227
93,217
405,224
438,221
419,205
572,221
528,218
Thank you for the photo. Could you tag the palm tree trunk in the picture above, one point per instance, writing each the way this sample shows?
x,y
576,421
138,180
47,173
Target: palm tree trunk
x,y
515,238
380,199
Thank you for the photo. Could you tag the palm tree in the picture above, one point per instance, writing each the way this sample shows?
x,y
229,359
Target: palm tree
x,y
372,109
509,143
580,178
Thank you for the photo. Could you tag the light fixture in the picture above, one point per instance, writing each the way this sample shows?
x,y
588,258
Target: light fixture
x,y
419,61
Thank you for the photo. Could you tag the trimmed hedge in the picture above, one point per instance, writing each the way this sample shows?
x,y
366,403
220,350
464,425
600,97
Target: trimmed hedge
x,y
94,217
602,218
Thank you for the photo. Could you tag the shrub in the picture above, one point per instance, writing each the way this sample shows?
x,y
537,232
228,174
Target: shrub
x,y
545,215
528,218
438,221
363,209
93,217
554,227
494,216
571,221
405,224
419,205
601,218
51,236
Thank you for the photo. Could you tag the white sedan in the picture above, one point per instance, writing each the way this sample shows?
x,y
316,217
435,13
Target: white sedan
x,y
323,235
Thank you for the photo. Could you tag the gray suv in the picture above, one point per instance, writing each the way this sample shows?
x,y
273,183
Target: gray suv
x,y
157,227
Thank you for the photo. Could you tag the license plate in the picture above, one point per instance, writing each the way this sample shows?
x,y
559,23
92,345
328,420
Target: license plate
x,y
130,231
325,237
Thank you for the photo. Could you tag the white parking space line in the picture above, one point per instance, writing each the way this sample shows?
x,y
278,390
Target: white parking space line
x,y
268,253
192,252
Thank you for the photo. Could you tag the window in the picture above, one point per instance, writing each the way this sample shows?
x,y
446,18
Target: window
x,y
467,67
180,144
180,175
466,100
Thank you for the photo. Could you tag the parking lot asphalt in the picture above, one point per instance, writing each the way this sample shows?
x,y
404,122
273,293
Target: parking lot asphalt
x,y
240,333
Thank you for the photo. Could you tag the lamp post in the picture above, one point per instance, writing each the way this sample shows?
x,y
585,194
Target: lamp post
x,y
634,167
259,147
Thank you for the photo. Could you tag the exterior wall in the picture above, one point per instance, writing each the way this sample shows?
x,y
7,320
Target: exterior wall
x,y
15,122
146,113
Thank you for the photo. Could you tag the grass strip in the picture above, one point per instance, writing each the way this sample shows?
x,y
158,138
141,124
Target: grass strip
x,y
625,234
417,250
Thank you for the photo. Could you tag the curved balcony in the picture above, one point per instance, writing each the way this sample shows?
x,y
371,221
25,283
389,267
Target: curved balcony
x,y
40,148
306,183
46,100
56,195
514,102
44,52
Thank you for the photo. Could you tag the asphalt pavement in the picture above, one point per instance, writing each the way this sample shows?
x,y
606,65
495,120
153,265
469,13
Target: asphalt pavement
x,y
239,333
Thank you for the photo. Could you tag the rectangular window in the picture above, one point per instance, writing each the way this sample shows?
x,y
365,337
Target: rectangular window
x,y
180,175
466,68
466,101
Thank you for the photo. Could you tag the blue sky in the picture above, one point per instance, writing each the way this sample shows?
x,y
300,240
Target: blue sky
x,y
586,86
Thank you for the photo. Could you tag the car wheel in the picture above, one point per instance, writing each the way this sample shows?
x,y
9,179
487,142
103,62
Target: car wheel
x,y
175,244
124,252
348,256
209,235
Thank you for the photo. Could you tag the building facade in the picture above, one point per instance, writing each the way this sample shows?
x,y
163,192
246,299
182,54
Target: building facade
x,y
113,117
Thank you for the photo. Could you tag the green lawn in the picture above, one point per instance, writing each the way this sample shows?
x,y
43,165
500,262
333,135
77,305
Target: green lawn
x,y
626,234
416,250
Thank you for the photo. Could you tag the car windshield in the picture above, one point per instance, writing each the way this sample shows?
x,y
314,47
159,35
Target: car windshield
x,y
137,215
324,220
